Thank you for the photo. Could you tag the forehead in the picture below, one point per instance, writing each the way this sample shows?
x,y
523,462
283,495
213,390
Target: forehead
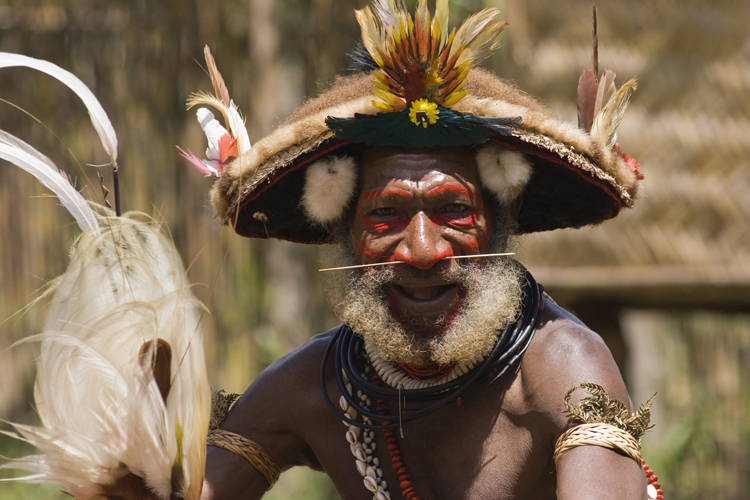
x,y
380,166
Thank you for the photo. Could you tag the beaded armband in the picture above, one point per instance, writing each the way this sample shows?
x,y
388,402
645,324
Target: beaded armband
x,y
239,445
603,422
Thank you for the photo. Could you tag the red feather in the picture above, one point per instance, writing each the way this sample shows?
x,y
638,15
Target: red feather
x,y
227,148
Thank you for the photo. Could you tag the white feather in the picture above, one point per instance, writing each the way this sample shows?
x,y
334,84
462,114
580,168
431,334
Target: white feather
x,y
329,186
504,172
99,117
24,156
238,128
102,413
214,132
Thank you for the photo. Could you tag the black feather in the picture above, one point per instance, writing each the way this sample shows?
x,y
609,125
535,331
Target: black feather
x,y
360,60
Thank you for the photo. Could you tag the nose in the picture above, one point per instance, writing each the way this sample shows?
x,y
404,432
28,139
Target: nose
x,y
423,243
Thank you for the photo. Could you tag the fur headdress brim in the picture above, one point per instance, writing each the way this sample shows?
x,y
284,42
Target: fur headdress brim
x,y
574,180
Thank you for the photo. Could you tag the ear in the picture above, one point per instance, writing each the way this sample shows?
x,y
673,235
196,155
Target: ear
x,y
504,172
329,186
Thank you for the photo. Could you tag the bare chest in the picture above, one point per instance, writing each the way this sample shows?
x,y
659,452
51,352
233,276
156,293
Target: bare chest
x,y
481,450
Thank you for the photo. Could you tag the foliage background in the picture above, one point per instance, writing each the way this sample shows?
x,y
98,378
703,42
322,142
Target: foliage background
x,y
688,125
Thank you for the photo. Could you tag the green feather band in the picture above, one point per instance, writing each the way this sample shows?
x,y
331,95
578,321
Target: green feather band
x,y
396,129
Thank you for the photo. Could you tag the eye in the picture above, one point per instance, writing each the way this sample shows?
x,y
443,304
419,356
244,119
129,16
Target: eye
x,y
384,212
455,208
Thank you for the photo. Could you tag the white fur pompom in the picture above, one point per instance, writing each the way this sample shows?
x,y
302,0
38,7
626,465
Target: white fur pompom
x,y
504,172
329,185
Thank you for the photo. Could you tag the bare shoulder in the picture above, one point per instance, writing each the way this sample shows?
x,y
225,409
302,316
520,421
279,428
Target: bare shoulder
x,y
563,353
284,389
275,411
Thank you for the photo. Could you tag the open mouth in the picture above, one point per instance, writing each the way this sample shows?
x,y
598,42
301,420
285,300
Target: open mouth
x,y
424,302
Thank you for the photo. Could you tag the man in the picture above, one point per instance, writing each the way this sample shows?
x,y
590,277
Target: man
x,y
498,444
451,373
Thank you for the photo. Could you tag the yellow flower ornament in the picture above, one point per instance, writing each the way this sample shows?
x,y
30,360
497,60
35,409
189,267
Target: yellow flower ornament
x,y
423,112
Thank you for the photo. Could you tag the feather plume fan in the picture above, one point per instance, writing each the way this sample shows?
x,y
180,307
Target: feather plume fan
x,y
16,151
223,145
121,386
418,58
601,105
98,116
122,383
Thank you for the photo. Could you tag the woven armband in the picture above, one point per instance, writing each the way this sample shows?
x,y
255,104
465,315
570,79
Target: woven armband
x,y
603,422
249,450
604,435
239,445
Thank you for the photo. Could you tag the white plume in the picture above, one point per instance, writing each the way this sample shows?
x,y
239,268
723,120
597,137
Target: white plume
x,y
122,385
102,411
503,171
329,186
24,156
99,117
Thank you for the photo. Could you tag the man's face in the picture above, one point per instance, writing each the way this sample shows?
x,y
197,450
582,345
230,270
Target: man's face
x,y
419,206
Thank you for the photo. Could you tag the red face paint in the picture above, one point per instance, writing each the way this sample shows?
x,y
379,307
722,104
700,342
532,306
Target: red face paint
x,y
418,208
452,189
423,265
379,224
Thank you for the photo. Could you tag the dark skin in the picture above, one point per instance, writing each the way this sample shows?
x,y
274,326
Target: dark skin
x,y
497,445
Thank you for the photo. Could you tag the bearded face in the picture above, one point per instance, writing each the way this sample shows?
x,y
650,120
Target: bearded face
x,y
418,208
490,294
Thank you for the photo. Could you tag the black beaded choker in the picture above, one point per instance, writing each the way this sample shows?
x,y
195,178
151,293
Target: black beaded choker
x,y
348,349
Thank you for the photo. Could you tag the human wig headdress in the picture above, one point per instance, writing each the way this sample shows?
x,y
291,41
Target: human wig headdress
x,y
421,87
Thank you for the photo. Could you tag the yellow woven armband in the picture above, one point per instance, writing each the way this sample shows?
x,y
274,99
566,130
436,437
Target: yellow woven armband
x,y
239,445
249,450
603,422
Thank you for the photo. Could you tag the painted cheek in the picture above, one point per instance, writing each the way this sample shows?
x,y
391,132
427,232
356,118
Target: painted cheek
x,y
368,252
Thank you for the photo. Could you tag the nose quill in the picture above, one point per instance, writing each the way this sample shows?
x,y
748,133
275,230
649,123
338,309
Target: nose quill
x,y
376,264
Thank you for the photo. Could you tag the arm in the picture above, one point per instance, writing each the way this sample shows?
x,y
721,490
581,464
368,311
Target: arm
x,y
564,354
283,398
272,413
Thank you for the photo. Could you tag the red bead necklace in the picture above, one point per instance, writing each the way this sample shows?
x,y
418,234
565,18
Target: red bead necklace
x,y
407,489
397,464
653,480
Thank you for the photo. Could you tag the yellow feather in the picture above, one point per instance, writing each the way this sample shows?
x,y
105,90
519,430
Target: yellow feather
x,y
423,14
604,129
371,35
385,96
381,85
454,97
441,19
478,35
605,91
381,106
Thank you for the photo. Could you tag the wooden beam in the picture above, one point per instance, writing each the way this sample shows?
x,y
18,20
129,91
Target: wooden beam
x,y
650,286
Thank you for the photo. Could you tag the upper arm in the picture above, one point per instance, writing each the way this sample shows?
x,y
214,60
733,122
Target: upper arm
x,y
563,354
269,413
